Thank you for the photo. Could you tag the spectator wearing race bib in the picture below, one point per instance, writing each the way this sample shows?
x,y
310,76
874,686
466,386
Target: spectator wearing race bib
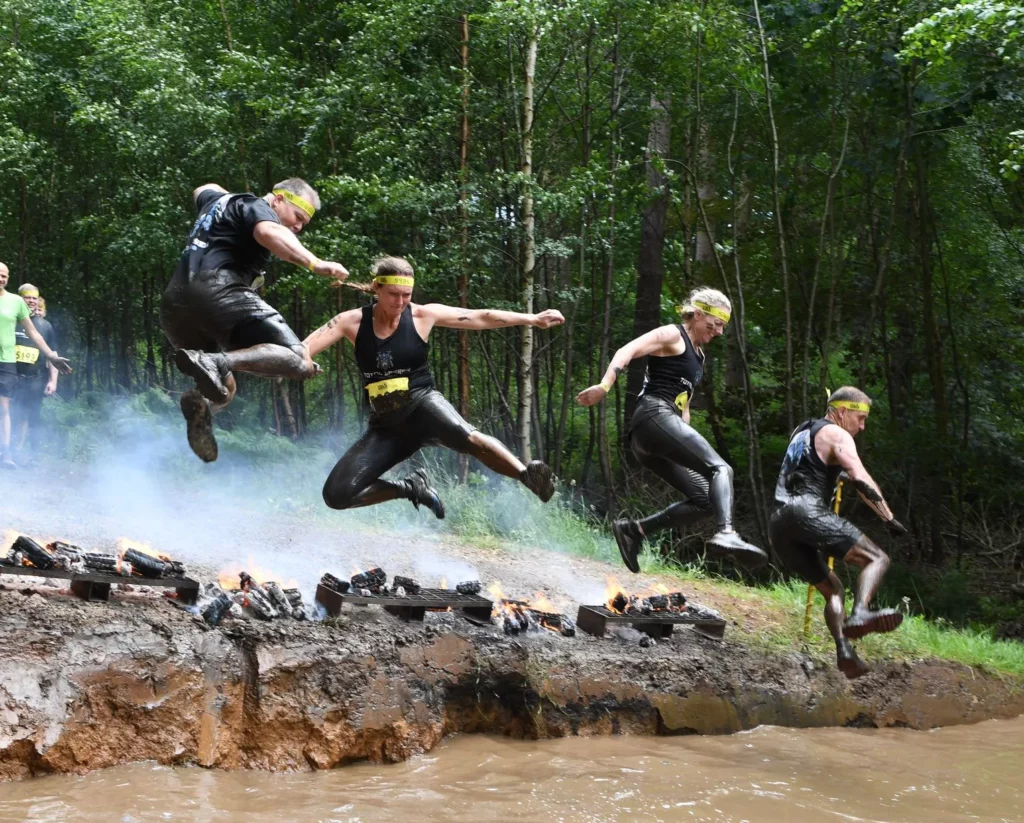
x,y
36,378
14,312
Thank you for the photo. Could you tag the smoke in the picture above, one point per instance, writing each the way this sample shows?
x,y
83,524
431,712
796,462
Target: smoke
x,y
260,504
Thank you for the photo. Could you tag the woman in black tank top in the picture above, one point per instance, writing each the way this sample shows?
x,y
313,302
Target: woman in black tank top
x,y
661,435
406,411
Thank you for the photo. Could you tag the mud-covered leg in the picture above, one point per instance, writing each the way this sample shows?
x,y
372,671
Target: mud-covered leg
x,y
835,613
873,563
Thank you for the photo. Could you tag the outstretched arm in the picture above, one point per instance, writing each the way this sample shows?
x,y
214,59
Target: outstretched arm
x,y
844,452
61,364
282,243
656,340
341,325
449,317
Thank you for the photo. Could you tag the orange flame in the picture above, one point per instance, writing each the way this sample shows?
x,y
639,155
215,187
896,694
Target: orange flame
x,y
495,591
125,543
444,582
541,603
228,578
8,539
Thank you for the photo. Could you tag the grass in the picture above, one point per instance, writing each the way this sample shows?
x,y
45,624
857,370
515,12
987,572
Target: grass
x,y
493,514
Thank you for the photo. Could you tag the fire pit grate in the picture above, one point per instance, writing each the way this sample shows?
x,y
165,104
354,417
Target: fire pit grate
x,y
96,585
410,607
596,619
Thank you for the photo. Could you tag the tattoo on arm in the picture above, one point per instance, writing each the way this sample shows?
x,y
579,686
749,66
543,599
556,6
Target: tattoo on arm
x,y
618,370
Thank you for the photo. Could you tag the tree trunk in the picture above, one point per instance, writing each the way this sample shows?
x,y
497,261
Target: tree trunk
x,y
525,375
463,336
651,271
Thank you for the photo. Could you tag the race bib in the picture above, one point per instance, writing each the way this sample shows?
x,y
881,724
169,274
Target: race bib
x,y
26,354
681,399
388,395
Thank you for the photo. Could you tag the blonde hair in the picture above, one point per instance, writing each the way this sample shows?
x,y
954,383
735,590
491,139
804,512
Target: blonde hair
x,y
398,266
713,297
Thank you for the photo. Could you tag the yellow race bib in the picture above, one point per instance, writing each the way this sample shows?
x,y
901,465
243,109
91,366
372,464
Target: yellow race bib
x,y
26,354
382,387
681,399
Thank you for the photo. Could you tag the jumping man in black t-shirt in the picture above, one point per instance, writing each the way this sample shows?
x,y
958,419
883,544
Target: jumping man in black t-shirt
x,y
211,311
663,439
804,529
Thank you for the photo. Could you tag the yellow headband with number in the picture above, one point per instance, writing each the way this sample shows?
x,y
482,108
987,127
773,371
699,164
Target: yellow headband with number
x,y
852,405
393,280
714,311
295,200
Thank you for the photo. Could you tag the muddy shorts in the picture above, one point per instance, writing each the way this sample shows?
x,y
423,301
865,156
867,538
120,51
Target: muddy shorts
x,y
218,311
8,379
805,532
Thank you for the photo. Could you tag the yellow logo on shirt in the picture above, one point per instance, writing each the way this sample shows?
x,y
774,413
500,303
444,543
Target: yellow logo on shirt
x,y
681,400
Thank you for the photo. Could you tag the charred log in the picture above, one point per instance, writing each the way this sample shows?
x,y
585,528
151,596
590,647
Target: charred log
x,y
335,584
469,587
373,579
32,552
407,583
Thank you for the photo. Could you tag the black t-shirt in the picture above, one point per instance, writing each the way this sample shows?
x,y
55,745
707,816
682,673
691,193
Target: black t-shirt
x,y
803,472
31,362
222,235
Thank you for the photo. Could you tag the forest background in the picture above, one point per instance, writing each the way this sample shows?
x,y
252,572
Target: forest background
x,y
849,173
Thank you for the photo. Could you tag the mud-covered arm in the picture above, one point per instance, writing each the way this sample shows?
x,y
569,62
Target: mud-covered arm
x,y
654,341
341,325
449,317
844,452
283,244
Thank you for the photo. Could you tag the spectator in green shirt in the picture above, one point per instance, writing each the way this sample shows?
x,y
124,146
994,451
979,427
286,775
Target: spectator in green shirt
x,y
13,312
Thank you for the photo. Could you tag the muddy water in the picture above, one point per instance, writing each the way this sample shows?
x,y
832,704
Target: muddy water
x,y
956,774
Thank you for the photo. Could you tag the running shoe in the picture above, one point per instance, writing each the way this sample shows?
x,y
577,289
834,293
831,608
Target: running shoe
x,y
537,478
731,545
630,541
199,422
208,370
864,622
421,493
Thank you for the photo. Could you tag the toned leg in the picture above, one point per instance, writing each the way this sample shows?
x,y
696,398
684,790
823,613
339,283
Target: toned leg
x,y
835,615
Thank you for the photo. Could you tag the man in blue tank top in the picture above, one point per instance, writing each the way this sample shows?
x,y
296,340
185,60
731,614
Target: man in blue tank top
x,y
805,530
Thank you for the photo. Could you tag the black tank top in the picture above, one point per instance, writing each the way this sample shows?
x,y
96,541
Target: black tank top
x,y
803,472
392,368
674,378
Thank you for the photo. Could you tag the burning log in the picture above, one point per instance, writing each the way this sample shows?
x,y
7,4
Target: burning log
x,y
295,598
374,579
32,553
217,608
281,601
673,602
106,563
469,587
333,583
146,565
407,583
67,549
516,619
256,602
560,623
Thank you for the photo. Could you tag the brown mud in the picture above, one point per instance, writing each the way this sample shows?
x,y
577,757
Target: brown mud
x,y
91,685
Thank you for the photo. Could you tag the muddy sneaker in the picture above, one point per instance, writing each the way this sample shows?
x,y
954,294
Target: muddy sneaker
x,y
537,478
208,370
627,535
865,622
731,545
848,661
199,420
422,494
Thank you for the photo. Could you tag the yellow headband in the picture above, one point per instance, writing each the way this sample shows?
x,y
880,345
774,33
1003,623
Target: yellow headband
x,y
393,280
714,311
28,292
295,200
852,405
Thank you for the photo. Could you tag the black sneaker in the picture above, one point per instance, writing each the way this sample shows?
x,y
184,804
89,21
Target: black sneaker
x,y
199,420
208,370
422,493
734,547
628,537
865,622
537,478
848,661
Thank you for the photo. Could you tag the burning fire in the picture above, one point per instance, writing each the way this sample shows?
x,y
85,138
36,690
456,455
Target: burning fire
x,y
228,579
660,596
9,537
444,583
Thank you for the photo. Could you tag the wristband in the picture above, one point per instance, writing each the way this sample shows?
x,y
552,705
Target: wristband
x,y
312,263
606,386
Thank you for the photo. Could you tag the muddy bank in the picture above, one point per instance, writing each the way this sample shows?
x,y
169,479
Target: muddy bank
x,y
87,685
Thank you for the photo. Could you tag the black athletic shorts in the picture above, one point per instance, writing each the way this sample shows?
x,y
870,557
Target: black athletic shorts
x,y
8,379
805,532
28,396
218,311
